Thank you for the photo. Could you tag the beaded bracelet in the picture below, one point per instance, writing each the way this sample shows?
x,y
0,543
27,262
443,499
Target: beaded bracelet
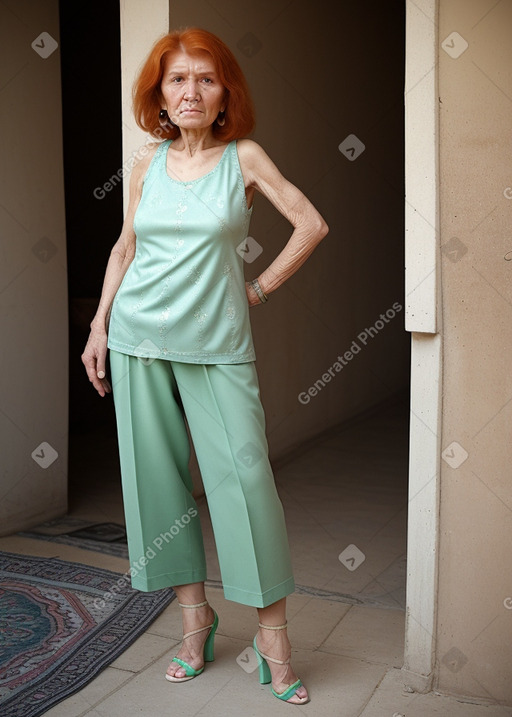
x,y
257,288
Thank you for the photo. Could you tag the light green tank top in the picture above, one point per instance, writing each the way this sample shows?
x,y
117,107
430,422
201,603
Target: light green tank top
x,y
183,296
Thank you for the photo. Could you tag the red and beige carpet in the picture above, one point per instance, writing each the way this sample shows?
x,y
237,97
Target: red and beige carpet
x,y
61,623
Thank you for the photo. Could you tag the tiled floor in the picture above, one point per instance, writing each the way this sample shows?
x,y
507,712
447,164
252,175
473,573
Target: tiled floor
x,y
346,511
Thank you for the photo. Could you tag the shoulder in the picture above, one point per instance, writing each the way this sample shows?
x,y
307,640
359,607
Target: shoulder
x,y
137,166
144,155
255,162
250,151
140,162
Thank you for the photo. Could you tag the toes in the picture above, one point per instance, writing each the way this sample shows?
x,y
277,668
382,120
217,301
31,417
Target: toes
x,y
299,696
176,672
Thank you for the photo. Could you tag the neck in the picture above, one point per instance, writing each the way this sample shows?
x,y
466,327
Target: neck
x,y
195,140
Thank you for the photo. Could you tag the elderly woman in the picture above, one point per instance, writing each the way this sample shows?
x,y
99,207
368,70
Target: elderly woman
x,y
174,314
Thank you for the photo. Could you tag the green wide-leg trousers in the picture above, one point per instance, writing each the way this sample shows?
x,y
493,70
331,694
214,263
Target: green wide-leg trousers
x,y
155,401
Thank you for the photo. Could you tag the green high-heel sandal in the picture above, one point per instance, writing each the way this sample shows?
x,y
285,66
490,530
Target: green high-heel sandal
x,y
190,673
266,676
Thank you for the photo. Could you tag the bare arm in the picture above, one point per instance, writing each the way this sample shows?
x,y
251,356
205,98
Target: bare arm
x,y
121,256
309,226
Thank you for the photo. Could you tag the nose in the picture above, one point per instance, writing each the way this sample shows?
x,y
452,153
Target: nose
x,y
191,91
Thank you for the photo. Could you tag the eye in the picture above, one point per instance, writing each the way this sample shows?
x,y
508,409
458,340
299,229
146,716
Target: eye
x,y
208,80
177,79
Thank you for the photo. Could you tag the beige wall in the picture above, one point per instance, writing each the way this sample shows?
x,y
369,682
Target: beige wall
x,y
310,94
474,630
33,293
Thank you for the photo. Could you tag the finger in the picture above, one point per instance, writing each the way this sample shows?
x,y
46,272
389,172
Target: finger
x,y
98,385
102,386
90,369
106,385
93,378
100,365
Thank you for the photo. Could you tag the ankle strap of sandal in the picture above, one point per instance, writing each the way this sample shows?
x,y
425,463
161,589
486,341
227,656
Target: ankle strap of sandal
x,y
198,604
274,627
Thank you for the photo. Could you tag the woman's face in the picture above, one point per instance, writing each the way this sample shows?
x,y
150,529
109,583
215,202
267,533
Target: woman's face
x,y
192,91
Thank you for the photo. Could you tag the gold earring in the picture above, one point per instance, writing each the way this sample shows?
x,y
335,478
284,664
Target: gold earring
x,y
221,121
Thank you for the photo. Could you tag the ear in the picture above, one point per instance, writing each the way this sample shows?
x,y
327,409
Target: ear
x,y
160,99
224,101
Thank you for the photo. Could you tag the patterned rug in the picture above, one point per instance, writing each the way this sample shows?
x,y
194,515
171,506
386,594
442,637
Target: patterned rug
x,y
61,623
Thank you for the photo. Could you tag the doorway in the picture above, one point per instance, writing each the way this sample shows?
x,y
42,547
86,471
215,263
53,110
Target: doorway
x,y
346,306
92,140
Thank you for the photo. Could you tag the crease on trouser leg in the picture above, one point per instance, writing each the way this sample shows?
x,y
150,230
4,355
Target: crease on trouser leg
x,y
227,425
